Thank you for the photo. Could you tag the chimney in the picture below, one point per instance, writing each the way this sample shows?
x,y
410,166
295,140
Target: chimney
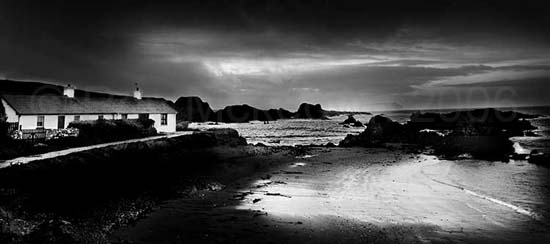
x,y
137,93
68,91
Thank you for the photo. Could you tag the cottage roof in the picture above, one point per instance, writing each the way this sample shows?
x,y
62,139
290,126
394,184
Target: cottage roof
x,y
51,104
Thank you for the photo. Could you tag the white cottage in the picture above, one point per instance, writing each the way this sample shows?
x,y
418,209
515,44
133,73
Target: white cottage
x,y
56,112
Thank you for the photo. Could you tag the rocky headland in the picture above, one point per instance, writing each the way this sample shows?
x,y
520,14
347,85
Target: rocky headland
x,y
193,109
479,133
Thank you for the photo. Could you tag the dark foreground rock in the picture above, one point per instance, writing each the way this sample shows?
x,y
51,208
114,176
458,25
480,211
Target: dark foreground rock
x,y
542,159
478,122
480,133
379,130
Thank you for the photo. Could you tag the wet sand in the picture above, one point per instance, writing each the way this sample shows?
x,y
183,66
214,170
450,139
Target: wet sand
x,y
343,195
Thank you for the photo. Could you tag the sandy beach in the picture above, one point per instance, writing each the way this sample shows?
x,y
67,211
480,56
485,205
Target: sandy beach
x,y
342,195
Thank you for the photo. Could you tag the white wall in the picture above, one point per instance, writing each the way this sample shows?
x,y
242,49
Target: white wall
x,y
10,113
50,122
169,127
28,122
171,123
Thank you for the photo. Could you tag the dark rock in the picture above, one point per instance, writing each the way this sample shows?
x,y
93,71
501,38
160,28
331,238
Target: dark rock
x,y
481,133
275,114
54,231
538,158
330,144
517,156
427,138
227,137
530,133
349,120
379,131
487,122
245,113
212,138
193,109
310,111
480,147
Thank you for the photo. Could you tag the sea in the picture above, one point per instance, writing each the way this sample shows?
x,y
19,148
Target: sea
x,y
292,132
518,185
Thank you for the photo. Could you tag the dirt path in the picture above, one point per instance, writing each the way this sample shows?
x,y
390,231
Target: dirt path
x,y
342,196
28,159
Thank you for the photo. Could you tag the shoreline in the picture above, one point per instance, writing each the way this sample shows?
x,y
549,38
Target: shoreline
x,y
339,194
217,172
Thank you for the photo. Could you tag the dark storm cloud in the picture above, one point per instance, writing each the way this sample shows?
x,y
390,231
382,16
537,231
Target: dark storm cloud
x,y
344,54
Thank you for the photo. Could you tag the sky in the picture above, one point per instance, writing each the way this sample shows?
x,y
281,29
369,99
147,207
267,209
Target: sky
x,y
345,55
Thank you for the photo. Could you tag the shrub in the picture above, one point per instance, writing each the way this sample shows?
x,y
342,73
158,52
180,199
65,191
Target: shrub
x,y
4,131
182,126
98,131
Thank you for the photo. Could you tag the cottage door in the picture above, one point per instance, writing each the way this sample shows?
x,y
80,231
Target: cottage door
x,y
61,122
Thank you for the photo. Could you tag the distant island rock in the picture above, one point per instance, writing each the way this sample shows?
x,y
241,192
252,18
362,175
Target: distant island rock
x,y
310,111
246,113
352,121
193,109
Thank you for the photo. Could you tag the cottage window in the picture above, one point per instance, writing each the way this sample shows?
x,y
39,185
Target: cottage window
x,y
40,121
100,117
77,118
143,116
124,116
163,119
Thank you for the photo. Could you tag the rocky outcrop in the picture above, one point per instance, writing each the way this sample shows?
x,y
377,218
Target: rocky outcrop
x,y
239,114
475,122
477,146
247,113
349,120
480,133
280,113
379,130
193,109
539,158
352,121
310,111
224,137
